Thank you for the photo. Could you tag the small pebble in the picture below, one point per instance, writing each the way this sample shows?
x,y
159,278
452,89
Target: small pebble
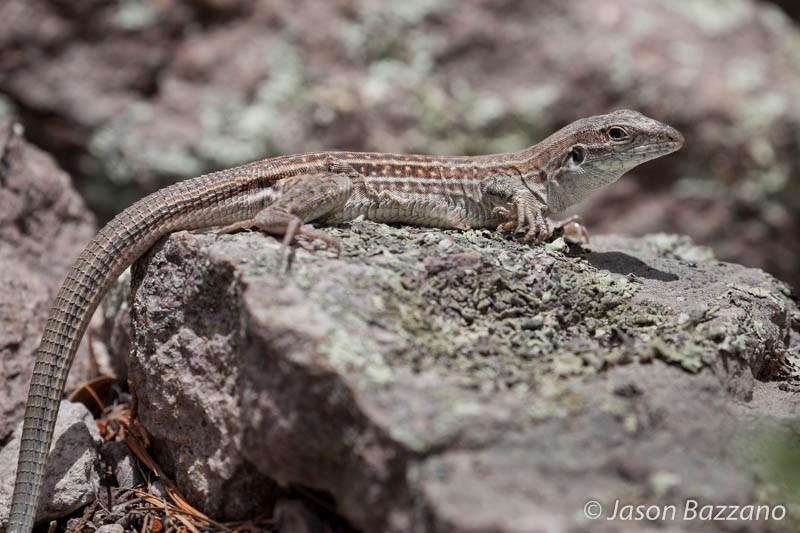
x,y
111,528
558,245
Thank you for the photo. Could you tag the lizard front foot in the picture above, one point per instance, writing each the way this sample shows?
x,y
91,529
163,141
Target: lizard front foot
x,y
525,214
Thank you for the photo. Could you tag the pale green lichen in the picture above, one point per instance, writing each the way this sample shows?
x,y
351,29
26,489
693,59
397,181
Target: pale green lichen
x,y
347,355
133,15
746,74
396,46
111,144
711,16
238,128
680,247
769,449
764,109
235,127
385,30
505,321
7,109
761,292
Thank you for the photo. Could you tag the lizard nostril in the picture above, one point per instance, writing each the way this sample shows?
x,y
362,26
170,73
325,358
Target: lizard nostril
x,y
675,136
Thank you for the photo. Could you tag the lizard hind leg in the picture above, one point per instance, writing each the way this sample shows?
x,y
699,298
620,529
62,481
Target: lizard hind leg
x,y
302,199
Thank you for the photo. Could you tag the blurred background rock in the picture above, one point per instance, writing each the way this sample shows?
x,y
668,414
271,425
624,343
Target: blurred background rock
x,y
132,95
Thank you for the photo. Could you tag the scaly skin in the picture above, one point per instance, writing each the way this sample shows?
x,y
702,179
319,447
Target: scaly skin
x,y
511,192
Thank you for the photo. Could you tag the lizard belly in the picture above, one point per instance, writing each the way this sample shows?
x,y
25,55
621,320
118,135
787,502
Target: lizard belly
x,y
417,209
437,203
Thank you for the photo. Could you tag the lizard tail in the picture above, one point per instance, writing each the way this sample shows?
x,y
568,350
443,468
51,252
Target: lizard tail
x,y
113,249
101,262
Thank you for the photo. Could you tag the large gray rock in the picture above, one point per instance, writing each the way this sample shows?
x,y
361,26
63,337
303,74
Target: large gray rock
x,y
469,76
458,381
72,476
43,226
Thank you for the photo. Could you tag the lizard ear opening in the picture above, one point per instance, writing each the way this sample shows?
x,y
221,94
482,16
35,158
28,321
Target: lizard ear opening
x,y
577,155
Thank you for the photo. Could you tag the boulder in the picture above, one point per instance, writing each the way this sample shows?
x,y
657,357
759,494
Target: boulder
x,y
44,224
258,78
72,478
434,380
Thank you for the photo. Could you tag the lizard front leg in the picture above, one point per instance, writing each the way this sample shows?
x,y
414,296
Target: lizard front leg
x,y
302,199
524,212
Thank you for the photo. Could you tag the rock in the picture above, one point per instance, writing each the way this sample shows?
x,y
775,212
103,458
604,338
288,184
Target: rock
x,y
111,528
43,226
791,8
71,479
123,464
295,516
489,386
260,78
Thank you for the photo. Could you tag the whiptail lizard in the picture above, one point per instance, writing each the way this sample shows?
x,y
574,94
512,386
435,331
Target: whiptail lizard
x,y
511,192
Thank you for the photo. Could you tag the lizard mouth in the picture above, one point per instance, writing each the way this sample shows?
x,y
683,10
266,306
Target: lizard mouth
x,y
659,147
665,142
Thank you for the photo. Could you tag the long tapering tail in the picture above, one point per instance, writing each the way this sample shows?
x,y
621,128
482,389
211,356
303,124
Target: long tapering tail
x,y
215,199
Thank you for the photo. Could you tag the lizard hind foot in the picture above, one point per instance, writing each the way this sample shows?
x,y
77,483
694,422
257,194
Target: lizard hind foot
x,y
289,226
289,229
244,225
296,228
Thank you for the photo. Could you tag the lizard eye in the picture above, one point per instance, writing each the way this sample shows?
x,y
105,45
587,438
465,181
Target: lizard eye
x,y
577,155
617,134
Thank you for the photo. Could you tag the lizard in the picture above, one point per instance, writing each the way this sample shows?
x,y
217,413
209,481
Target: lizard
x,y
510,192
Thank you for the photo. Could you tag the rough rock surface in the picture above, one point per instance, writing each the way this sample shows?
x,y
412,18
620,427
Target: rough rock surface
x,y
72,476
188,86
43,226
435,380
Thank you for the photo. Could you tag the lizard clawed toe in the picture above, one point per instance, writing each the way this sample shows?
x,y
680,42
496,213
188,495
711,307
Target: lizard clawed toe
x,y
525,216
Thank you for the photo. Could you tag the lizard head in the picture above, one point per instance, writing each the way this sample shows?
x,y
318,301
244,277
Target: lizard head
x,y
594,152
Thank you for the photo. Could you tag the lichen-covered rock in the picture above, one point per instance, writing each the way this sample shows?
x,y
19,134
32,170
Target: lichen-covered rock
x,y
436,380
258,78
